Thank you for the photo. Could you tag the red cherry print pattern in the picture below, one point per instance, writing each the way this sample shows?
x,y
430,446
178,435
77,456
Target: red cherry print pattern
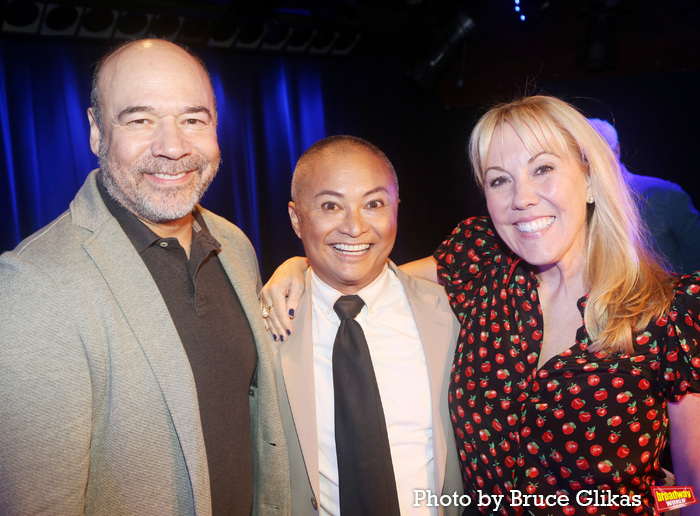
x,y
584,420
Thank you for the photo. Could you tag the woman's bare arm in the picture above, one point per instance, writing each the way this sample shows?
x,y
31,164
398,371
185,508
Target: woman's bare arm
x,y
425,268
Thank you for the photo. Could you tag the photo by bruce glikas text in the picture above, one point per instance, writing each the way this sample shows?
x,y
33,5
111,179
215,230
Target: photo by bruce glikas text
x,y
495,502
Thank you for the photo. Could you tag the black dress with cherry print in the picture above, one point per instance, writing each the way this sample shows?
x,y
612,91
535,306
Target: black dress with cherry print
x,y
583,421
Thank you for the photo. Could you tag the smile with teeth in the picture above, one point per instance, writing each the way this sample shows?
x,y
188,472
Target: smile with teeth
x,y
171,177
351,248
534,225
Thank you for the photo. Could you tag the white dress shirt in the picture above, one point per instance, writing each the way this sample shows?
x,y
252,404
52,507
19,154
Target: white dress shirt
x,y
402,376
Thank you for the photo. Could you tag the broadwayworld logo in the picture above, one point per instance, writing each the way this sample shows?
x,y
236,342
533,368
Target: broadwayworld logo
x,y
673,497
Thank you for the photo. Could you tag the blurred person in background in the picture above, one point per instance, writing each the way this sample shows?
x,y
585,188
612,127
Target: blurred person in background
x,y
665,207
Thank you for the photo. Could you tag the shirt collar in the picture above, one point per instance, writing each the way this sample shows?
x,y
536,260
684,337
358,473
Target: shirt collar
x,y
325,296
140,234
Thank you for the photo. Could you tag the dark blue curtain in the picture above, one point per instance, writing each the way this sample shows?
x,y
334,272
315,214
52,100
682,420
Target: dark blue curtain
x,y
44,94
270,110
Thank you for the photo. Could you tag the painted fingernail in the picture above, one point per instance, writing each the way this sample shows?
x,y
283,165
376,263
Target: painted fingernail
x,y
282,338
291,312
289,332
274,337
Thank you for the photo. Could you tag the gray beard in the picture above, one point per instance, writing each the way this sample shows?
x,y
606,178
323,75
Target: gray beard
x,y
156,206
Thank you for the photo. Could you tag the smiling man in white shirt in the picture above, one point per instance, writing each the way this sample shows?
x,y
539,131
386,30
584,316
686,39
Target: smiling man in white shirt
x,y
344,208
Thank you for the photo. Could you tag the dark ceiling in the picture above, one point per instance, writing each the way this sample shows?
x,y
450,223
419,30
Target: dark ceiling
x,y
466,51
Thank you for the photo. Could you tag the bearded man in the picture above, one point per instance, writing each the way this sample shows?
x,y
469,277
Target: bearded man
x,y
135,375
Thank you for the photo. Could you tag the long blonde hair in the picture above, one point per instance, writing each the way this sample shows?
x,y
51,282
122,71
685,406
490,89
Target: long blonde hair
x,y
629,284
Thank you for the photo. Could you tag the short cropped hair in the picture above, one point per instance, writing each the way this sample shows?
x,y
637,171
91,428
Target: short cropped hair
x,y
330,146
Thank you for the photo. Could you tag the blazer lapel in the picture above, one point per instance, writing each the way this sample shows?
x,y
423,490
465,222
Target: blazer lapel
x,y
297,361
143,307
244,279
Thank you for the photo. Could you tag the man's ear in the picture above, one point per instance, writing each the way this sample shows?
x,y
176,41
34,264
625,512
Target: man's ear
x,y
294,217
95,133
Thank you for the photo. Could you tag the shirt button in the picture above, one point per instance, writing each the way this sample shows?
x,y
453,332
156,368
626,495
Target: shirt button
x,y
163,244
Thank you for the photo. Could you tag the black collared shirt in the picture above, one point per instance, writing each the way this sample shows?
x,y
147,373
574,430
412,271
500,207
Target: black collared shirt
x,y
219,344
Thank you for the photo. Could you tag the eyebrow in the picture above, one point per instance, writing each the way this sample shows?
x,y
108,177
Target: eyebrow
x,y
197,109
150,109
533,158
333,193
134,109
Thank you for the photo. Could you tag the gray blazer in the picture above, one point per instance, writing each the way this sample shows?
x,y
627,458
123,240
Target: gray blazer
x,y
98,407
438,330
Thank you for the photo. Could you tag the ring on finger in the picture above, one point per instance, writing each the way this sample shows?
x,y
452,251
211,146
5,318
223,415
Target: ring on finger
x,y
265,310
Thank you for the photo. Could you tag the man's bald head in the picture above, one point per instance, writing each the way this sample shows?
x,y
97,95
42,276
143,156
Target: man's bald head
x,y
328,147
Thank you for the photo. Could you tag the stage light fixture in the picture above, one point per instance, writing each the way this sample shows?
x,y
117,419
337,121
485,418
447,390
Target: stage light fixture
x,y
427,72
98,23
276,36
300,39
223,34
345,43
272,29
60,20
165,26
322,42
250,36
132,24
22,16
194,30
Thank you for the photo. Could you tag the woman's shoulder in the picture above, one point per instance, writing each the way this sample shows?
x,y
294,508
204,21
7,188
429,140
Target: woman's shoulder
x,y
471,248
475,226
475,235
687,293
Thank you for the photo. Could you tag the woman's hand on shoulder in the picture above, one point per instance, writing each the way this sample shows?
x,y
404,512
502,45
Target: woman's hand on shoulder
x,y
279,297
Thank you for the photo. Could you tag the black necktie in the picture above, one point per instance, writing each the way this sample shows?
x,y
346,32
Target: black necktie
x,y
365,473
